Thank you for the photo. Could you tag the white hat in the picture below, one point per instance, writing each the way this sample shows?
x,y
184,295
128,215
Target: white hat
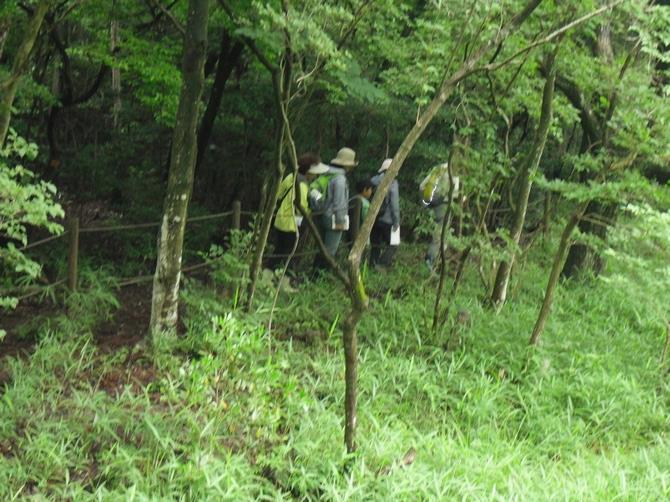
x,y
385,165
319,168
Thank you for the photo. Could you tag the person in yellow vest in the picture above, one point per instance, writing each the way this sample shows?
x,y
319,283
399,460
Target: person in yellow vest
x,y
289,218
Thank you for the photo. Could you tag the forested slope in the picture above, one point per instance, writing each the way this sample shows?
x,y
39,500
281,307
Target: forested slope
x,y
146,348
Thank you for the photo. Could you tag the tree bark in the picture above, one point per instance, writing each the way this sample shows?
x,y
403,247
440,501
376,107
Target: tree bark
x,y
10,85
529,166
165,296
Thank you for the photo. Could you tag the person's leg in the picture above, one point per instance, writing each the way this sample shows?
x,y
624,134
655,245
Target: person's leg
x,y
376,240
386,250
434,248
283,248
331,240
389,251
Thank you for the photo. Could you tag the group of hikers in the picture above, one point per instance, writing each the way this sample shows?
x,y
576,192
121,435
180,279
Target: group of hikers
x,y
323,192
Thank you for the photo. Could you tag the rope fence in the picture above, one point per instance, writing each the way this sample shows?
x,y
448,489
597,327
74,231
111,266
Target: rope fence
x,y
73,231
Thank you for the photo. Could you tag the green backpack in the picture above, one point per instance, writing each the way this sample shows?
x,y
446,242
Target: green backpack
x,y
321,183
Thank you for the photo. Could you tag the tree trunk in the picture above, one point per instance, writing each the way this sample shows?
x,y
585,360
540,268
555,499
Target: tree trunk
x,y
581,257
554,275
270,203
359,299
228,57
529,166
116,73
281,84
10,85
165,297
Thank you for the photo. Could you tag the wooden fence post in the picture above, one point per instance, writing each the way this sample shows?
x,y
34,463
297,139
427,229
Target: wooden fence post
x,y
237,212
73,253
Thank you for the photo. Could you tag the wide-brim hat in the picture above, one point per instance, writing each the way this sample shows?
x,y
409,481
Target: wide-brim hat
x,y
319,168
385,165
346,157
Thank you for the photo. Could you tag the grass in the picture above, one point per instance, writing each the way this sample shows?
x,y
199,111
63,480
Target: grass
x,y
232,413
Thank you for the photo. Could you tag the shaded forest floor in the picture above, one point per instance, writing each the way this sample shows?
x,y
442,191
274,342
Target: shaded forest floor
x,y
127,326
230,411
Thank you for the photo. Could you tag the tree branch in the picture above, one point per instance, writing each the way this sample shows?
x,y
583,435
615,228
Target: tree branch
x,y
175,22
550,37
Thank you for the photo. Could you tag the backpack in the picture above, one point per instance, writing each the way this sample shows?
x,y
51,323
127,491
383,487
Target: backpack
x,y
429,186
321,183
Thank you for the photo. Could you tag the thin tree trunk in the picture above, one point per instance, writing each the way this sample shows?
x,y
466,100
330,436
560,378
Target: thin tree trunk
x,y
269,207
10,85
359,299
4,33
555,274
446,221
116,73
281,83
165,297
529,166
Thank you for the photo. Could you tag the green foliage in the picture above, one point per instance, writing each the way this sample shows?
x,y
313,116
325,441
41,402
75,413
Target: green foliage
x,y
234,413
229,265
25,202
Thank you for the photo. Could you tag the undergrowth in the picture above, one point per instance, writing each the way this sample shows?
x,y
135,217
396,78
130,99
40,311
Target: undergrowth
x,y
234,412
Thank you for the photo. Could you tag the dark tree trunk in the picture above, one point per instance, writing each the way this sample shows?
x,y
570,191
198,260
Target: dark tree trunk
x,y
581,257
229,54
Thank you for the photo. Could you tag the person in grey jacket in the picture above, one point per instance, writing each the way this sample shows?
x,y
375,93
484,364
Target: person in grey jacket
x,y
331,197
387,220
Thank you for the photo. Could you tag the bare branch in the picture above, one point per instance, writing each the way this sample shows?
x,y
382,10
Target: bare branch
x,y
550,37
175,22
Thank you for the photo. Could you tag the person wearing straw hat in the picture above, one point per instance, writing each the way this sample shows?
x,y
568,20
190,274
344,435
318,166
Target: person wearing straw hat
x,y
289,218
388,221
331,198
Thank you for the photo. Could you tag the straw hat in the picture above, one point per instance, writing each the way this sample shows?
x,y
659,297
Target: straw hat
x,y
346,157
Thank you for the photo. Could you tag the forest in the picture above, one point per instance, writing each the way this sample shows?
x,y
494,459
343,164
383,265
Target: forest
x,y
348,250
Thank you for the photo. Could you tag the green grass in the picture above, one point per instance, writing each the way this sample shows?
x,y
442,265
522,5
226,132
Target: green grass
x,y
232,413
